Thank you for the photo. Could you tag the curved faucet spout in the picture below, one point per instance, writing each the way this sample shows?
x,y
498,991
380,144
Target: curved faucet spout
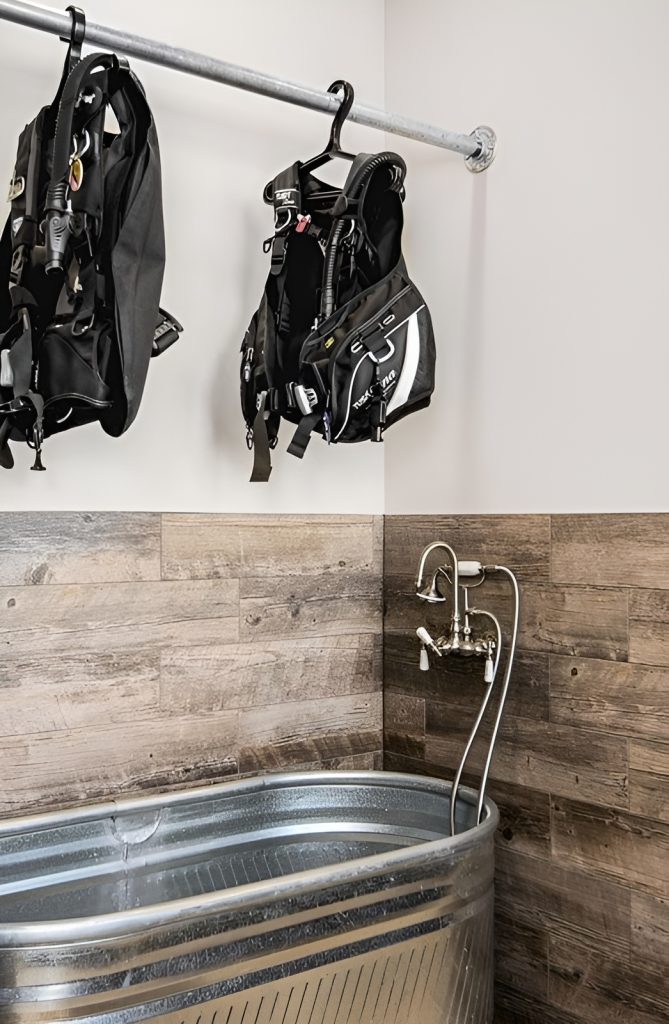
x,y
456,581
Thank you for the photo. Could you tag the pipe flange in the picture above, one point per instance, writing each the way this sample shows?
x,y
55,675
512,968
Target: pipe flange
x,y
487,141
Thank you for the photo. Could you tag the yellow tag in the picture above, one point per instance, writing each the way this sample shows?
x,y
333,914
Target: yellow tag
x,y
76,174
329,343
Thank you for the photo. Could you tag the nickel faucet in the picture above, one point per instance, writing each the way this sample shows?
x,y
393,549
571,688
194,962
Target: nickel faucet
x,y
461,640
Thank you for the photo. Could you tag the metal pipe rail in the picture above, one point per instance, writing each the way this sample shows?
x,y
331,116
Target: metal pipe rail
x,y
478,148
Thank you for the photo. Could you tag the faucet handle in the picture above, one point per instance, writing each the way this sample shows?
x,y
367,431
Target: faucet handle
x,y
489,670
426,639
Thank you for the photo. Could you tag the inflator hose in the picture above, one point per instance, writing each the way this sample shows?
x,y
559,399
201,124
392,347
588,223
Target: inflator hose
x,y
352,192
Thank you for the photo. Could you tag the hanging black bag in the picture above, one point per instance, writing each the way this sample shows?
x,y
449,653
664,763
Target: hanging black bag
x,y
342,344
81,260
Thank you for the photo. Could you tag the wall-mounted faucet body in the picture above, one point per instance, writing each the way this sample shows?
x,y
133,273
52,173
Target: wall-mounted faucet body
x,y
463,639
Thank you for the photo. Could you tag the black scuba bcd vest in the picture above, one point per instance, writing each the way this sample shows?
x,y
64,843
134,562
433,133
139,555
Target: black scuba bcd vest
x,y
342,342
81,261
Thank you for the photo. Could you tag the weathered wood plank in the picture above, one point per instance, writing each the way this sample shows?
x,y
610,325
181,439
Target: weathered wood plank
x,y
521,954
202,679
521,542
378,536
44,771
611,843
211,546
554,758
200,546
371,760
76,690
404,724
649,779
337,751
404,744
514,1006
632,700
117,616
309,731
649,627
584,622
79,547
285,722
524,818
618,550
275,608
458,681
603,988
402,713
650,931
548,895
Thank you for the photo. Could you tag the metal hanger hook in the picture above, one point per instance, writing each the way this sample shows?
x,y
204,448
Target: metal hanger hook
x,y
342,112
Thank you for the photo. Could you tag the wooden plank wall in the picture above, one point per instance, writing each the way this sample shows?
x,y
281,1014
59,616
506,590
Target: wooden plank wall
x,y
140,651
581,773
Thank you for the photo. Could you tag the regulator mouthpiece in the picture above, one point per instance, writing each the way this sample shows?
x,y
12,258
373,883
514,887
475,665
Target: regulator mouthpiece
x,y
60,224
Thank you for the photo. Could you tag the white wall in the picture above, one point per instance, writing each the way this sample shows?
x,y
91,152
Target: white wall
x,y
186,451
548,275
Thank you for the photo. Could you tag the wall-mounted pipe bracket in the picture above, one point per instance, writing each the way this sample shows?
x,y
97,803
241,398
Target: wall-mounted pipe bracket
x,y
482,159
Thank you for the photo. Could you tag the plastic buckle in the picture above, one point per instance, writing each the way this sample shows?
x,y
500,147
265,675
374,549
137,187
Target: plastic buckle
x,y
16,188
165,334
19,260
271,400
306,399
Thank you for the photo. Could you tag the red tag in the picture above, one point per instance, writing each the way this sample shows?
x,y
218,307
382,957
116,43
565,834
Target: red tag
x,y
302,222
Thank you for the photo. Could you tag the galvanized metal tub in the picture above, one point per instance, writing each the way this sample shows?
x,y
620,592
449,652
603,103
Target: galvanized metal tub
x,y
324,898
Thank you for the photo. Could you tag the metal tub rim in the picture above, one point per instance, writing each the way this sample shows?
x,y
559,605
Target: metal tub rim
x,y
134,921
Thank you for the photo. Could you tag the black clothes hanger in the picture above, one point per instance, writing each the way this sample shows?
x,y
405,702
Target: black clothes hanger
x,y
75,39
333,148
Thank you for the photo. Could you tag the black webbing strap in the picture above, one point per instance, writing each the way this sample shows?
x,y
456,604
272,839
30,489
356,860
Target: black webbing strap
x,y
262,460
73,85
6,457
302,435
287,202
32,177
21,359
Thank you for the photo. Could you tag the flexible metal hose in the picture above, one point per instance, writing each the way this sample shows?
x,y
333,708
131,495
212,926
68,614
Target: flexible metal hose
x,y
505,685
479,717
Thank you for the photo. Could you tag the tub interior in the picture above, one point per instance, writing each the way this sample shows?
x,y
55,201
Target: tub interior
x,y
151,852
